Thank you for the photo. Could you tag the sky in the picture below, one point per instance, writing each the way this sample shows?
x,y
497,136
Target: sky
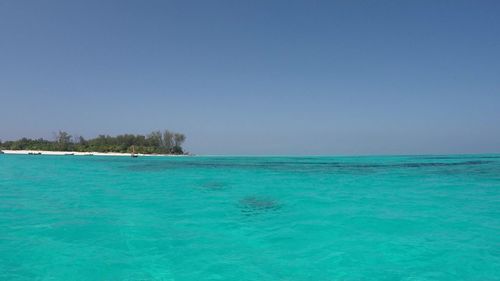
x,y
257,77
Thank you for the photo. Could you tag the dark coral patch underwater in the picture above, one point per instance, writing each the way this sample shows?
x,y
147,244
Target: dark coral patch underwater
x,y
252,205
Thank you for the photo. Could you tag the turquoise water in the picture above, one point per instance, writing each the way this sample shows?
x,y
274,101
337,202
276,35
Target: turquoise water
x,y
250,218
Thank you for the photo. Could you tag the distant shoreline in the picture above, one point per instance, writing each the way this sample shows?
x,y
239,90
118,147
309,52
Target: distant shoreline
x,y
78,153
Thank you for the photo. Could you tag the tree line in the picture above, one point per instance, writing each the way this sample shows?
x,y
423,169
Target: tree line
x,y
156,142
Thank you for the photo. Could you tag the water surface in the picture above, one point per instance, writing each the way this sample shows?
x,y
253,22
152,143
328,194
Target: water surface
x,y
250,218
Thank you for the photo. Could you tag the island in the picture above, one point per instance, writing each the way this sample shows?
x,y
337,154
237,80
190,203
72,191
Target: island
x,y
156,143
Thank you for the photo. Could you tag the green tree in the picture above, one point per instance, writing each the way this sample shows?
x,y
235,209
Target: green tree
x,y
168,140
63,140
179,139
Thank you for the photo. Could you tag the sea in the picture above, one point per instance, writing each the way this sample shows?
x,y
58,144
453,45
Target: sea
x,y
431,217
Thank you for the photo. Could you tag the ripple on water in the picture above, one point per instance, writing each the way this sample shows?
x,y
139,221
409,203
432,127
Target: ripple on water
x,y
213,185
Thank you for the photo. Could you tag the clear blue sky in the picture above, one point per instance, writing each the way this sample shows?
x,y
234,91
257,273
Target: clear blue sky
x,y
257,77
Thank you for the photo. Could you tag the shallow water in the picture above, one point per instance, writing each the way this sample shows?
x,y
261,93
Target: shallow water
x,y
250,218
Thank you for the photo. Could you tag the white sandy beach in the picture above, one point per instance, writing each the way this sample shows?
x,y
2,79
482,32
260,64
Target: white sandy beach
x,y
76,153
